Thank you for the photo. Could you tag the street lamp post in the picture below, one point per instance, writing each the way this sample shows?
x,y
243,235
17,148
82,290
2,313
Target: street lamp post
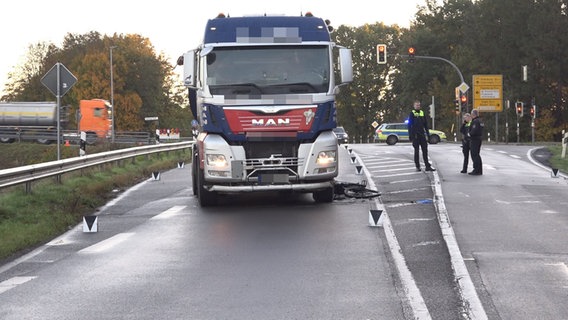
x,y
112,96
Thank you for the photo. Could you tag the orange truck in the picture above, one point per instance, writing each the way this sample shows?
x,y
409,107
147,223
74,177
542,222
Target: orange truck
x,y
38,121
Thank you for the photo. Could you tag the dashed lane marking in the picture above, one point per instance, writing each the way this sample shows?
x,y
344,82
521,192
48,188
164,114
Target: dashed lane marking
x,y
13,282
107,244
171,212
408,190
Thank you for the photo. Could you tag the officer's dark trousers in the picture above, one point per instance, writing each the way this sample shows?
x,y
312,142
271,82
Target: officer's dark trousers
x,y
466,151
475,145
418,142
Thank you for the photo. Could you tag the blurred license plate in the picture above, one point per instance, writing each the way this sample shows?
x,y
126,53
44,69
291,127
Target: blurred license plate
x,y
273,178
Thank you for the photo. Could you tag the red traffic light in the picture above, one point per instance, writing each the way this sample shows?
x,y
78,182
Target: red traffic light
x,y
381,53
520,108
463,98
411,52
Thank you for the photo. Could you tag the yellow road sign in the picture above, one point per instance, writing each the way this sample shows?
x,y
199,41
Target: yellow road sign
x,y
488,92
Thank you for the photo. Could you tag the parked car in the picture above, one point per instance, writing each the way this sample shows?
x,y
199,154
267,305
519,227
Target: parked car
x,y
391,133
342,136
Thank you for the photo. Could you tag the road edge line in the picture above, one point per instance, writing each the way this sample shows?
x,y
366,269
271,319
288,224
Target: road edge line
x,y
471,301
411,290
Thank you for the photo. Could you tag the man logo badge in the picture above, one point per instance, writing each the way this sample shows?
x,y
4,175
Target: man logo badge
x,y
309,114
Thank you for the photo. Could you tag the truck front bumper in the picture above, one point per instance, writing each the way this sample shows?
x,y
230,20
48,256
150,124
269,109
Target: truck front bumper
x,y
301,187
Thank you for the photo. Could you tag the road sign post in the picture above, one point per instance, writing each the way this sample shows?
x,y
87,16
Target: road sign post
x,y
58,80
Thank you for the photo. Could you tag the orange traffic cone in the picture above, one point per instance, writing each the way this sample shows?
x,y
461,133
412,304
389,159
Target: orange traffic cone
x,y
67,143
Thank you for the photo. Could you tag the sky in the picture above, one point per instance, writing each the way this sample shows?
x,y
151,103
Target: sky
x,y
172,26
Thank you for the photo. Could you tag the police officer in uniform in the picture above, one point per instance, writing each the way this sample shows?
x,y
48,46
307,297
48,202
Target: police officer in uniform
x,y
465,140
419,134
475,133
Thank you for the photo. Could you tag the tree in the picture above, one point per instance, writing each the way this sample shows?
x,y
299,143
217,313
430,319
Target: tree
x,y
367,98
142,81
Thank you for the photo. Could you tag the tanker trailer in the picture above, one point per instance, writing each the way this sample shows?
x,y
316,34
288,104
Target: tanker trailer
x,y
30,121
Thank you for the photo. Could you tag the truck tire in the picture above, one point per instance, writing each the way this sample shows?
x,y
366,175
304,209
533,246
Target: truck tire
x,y
323,196
206,197
43,141
91,138
194,175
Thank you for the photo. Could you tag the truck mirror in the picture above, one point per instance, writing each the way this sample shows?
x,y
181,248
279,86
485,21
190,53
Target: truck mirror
x,y
189,69
345,65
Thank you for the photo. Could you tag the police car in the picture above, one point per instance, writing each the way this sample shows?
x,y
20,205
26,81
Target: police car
x,y
391,133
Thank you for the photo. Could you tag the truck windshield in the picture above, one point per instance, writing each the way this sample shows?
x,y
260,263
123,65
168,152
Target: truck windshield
x,y
268,70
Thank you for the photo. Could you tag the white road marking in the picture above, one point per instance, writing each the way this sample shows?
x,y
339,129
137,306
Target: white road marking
x,y
407,168
171,212
515,156
425,243
379,165
405,181
415,299
13,282
518,202
398,205
475,309
408,190
107,244
396,175
563,268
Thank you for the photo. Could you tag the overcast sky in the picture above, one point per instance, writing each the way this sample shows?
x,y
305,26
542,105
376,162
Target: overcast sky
x,y
173,26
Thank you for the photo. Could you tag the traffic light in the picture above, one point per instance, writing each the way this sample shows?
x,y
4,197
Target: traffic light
x,y
411,53
463,101
533,111
519,108
381,54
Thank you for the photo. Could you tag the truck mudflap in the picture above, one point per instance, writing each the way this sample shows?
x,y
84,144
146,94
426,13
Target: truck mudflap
x,y
302,187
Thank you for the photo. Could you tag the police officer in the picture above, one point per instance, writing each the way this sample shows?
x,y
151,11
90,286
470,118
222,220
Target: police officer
x,y
419,134
465,140
475,133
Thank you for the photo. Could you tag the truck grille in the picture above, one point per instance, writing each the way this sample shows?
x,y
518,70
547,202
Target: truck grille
x,y
272,157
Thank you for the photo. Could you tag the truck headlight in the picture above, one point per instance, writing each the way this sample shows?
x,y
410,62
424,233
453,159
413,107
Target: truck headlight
x,y
217,161
326,157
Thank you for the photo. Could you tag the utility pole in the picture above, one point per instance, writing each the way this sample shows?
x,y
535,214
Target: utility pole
x,y
112,96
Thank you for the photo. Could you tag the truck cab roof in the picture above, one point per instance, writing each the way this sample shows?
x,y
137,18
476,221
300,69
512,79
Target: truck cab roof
x,y
266,29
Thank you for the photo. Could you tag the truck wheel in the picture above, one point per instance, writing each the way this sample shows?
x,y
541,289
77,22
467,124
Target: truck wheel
x,y
323,196
206,198
194,175
43,141
91,138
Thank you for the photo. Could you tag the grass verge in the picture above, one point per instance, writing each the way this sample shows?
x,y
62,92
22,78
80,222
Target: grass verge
x,y
556,161
28,220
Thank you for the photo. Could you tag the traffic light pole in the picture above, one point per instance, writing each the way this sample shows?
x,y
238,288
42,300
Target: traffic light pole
x,y
518,130
453,66
440,59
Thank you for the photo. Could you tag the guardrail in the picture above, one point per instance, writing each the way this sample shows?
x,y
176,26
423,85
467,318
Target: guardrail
x,y
50,136
28,174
